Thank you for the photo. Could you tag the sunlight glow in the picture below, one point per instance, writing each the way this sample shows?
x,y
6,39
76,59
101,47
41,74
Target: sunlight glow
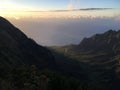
x,y
50,14
17,11
7,6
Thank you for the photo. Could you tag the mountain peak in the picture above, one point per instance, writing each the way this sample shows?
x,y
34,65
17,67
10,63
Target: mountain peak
x,y
5,23
105,42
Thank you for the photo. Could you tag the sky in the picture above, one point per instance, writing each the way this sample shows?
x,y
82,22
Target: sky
x,y
61,22
56,4
20,8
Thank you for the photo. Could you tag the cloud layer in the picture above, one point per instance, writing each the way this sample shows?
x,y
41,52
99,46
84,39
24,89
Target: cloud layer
x,y
64,31
83,9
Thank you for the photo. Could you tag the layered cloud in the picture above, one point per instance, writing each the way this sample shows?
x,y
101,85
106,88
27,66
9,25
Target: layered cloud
x,y
72,10
82,9
64,31
65,14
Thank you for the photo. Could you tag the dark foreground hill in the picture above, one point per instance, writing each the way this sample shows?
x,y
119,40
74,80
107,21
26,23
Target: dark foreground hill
x,y
17,49
100,54
91,65
25,65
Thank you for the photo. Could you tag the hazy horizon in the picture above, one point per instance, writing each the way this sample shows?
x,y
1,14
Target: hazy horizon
x,y
52,22
50,32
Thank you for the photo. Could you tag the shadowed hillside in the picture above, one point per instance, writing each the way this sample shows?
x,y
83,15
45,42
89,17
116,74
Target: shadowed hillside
x,y
101,55
17,49
25,65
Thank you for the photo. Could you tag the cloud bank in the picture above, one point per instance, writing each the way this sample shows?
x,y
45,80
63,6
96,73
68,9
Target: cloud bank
x,y
51,32
83,9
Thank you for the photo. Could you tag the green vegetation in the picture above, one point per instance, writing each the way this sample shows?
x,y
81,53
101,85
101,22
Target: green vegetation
x,y
98,57
31,78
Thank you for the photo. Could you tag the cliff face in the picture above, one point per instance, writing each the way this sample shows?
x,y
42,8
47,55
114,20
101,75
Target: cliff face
x,y
17,49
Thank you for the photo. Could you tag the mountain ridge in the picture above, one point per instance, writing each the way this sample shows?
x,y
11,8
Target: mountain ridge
x,y
101,53
16,48
109,40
